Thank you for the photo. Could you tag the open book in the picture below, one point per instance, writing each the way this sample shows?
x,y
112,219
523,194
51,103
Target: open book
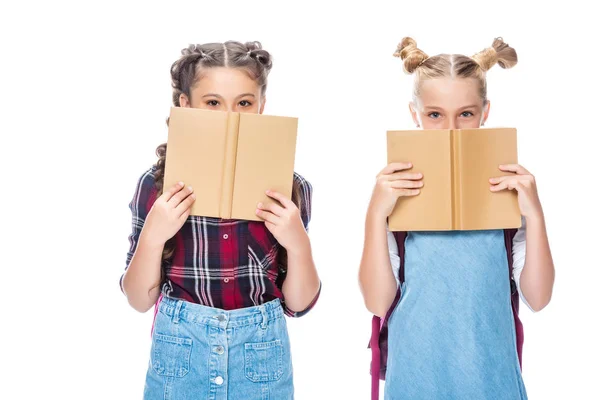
x,y
456,165
230,159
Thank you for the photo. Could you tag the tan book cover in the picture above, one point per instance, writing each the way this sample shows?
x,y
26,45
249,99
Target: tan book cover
x,y
456,166
230,159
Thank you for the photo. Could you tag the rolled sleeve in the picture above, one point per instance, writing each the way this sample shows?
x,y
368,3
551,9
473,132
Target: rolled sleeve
x,y
305,197
298,314
140,205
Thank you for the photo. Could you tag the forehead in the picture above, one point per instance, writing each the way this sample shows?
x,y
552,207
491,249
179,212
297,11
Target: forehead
x,y
449,93
225,81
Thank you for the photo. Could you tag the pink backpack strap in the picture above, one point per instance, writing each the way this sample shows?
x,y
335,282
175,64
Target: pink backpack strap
x,y
379,329
509,234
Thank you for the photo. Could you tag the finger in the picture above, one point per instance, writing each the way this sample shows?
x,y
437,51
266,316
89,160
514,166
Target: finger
x,y
180,196
183,217
273,208
507,184
407,192
516,168
497,179
185,205
170,192
406,184
285,202
404,176
393,167
267,216
516,178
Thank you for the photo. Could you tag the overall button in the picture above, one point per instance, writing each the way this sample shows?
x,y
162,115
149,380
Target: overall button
x,y
221,317
219,380
219,350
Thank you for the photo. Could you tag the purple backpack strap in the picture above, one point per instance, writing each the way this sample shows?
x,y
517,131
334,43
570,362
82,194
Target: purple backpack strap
x,y
379,328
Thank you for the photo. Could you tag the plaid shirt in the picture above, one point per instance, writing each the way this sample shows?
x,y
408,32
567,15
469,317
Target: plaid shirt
x,y
222,263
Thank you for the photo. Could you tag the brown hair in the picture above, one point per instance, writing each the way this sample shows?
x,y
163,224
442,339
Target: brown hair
x,y
187,70
454,65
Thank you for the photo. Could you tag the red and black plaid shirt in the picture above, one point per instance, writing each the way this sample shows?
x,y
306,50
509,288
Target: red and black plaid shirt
x,y
220,263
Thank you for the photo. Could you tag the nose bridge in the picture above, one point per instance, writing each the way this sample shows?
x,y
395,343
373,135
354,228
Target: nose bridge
x,y
453,123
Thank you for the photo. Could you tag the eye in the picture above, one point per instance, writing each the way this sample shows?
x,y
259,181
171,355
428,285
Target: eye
x,y
212,103
434,115
245,103
466,114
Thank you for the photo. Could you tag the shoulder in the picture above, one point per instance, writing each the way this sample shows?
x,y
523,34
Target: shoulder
x,y
146,191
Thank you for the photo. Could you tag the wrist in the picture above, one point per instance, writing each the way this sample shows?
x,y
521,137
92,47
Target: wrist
x,y
534,218
375,216
299,247
147,240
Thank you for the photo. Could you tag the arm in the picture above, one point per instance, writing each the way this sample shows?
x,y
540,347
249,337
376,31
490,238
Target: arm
x,y
141,282
377,281
536,279
289,225
376,277
151,229
301,286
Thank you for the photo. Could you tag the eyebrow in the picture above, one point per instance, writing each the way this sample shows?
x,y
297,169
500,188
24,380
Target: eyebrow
x,y
220,97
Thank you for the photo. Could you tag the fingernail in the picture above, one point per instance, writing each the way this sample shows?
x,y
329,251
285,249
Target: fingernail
x,y
180,184
260,205
191,189
193,195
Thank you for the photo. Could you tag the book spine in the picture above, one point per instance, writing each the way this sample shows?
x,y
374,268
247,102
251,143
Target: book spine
x,y
231,141
455,146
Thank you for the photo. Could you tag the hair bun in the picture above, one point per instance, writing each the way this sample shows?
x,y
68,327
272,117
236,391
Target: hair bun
x,y
256,51
412,56
499,53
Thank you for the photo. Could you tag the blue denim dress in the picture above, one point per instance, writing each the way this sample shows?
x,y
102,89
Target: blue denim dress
x,y
201,352
452,334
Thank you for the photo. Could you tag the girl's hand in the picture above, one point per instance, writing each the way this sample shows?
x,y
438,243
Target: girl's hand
x,y
393,184
524,183
284,222
168,214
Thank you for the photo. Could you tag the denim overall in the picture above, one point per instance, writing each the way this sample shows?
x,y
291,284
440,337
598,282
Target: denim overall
x,y
201,352
452,334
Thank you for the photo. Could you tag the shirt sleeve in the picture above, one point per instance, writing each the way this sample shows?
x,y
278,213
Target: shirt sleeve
x,y
305,195
518,253
394,255
140,205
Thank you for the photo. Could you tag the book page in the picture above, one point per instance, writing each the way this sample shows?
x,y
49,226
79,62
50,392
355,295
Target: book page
x,y
430,153
195,155
265,161
482,151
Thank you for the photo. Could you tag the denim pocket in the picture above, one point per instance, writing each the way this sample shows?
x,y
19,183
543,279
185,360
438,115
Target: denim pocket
x,y
171,355
263,361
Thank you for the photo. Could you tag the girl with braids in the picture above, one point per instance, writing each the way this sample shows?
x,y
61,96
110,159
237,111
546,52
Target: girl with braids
x,y
450,317
221,287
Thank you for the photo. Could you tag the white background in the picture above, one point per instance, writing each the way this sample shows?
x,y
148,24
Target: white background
x,y
85,91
